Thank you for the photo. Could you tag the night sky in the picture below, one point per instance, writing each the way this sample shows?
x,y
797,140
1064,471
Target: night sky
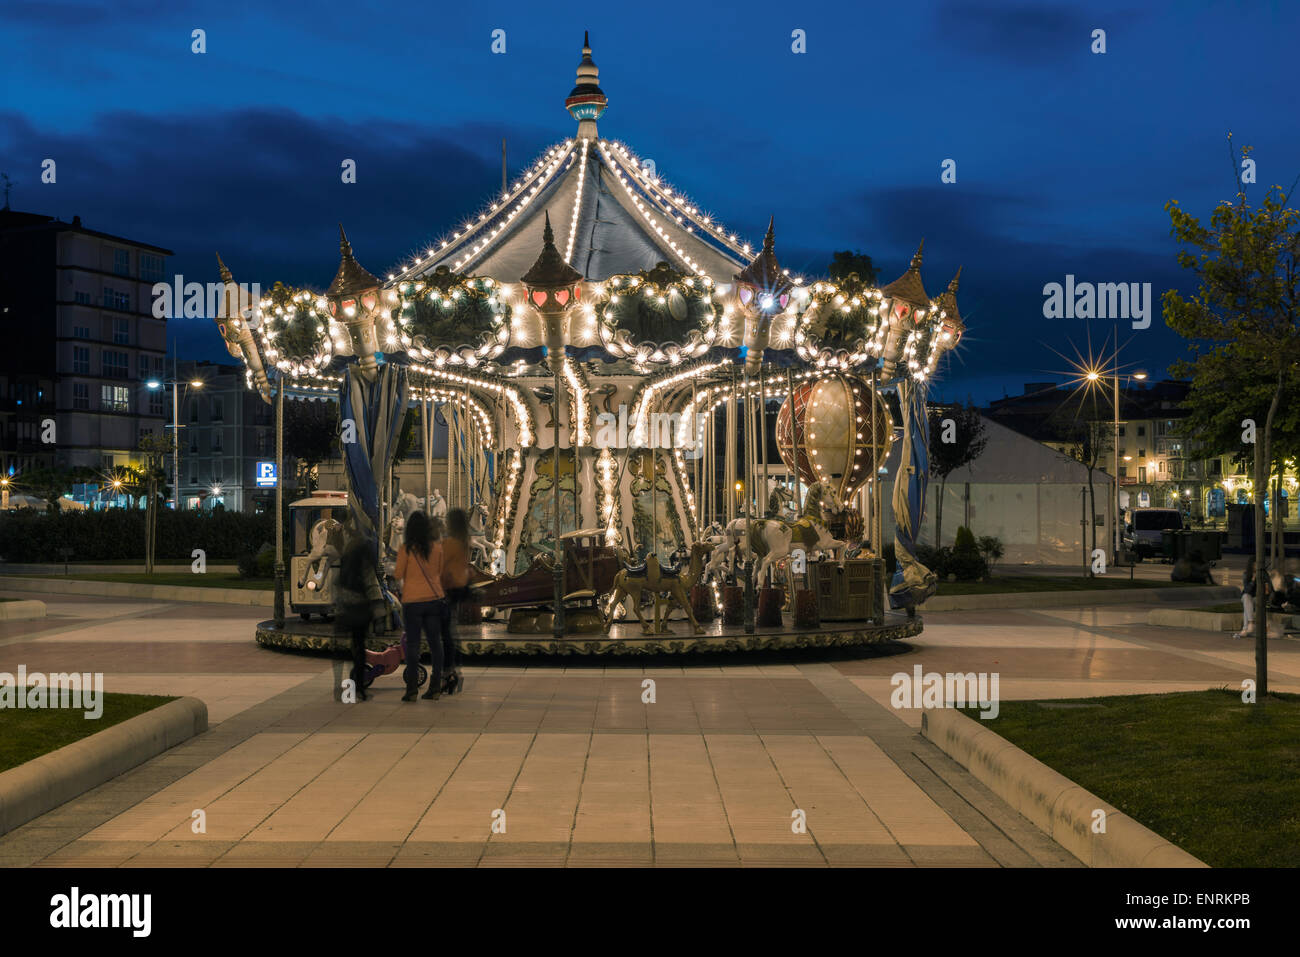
x,y
1065,158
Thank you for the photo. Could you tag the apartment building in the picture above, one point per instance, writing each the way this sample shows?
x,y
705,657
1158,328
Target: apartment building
x,y
81,341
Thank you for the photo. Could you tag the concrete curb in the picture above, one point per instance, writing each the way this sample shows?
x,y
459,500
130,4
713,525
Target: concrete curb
x,y
1075,599
257,597
23,610
1211,620
1058,806
42,784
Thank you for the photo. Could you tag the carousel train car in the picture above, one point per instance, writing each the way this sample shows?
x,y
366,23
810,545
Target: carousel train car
x,y
316,530
589,569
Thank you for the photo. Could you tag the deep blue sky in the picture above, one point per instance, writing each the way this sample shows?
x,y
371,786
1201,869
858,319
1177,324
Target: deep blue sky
x,y
1065,158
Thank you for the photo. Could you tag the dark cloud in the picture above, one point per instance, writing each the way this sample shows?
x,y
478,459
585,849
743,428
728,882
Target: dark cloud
x,y
1018,33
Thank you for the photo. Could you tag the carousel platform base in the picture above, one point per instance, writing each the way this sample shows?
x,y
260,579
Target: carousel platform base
x,y
491,638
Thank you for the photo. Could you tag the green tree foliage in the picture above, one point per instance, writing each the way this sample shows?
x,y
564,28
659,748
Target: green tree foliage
x,y
52,484
310,436
1243,329
845,263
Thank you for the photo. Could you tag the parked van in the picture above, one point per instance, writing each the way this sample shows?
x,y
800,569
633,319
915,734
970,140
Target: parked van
x,y
1146,527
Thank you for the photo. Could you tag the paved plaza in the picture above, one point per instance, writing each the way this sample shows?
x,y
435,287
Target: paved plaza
x,y
566,755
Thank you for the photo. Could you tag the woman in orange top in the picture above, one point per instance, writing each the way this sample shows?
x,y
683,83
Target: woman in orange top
x,y
455,582
419,569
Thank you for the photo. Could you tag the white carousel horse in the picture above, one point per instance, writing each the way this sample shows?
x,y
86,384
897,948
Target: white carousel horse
x,y
326,549
404,506
437,505
780,504
480,547
772,540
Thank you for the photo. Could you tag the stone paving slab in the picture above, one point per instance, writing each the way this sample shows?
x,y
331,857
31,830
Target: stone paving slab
x,y
568,756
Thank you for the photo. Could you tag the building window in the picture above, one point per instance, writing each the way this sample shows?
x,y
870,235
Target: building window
x,y
81,360
83,298
216,440
117,365
116,300
218,470
122,330
218,408
1142,474
151,267
194,442
122,262
80,395
115,398
194,409
81,332
156,402
1142,431
1142,453
1163,470
1121,431
1123,471
1216,466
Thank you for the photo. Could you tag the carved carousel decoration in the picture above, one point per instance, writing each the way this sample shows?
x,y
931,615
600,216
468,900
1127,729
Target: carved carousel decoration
x,y
605,357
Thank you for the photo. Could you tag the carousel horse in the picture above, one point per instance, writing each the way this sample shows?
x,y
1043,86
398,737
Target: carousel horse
x,y
326,550
404,506
677,590
780,504
480,547
772,540
437,505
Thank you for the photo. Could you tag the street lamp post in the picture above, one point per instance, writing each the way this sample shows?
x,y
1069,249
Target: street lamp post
x,y
153,385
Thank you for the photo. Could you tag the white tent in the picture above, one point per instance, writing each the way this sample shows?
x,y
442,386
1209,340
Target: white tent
x,y
1028,495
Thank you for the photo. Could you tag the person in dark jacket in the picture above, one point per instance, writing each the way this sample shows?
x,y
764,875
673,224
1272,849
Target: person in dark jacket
x,y
455,582
1247,600
358,592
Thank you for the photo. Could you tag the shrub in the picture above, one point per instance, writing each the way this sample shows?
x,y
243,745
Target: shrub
x,y
965,561
118,533
991,550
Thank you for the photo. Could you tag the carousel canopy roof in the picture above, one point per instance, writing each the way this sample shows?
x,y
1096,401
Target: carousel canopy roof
x,y
612,214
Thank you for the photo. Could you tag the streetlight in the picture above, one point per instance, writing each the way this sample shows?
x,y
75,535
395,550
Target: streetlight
x,y
1115,531
154,385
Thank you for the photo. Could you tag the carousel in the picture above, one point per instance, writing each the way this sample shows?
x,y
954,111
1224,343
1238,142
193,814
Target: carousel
x,y
612,366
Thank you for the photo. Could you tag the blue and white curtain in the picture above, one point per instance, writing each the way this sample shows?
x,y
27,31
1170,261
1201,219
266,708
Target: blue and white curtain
x,y
374,410
913,583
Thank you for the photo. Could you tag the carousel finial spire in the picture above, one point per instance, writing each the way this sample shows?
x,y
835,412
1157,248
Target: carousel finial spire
x,y
952,285
225,273
769,241
352,277
916,259
587,101
550,270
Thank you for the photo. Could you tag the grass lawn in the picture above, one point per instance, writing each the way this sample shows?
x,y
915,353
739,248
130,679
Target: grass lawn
x,y
1219,778
29,734
209,580
999,584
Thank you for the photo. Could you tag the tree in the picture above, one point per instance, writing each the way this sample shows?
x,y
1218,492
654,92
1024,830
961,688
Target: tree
x,y
846,263
1243,331
1089,440
153,449
310,434
956,439
51,484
